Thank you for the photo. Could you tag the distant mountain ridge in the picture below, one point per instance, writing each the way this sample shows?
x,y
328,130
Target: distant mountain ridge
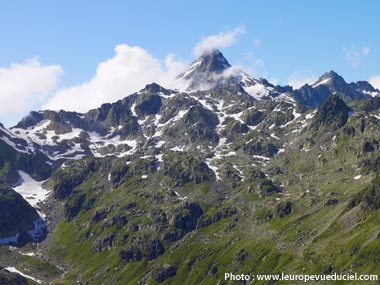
x,y
332,83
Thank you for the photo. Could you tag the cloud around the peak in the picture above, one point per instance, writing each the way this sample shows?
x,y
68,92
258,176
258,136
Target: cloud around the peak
x,y
375,81
299,78
34,86
129,70
221,40
24,86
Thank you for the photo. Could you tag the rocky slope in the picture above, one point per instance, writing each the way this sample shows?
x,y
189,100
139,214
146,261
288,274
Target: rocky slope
x,y
230,174
19,221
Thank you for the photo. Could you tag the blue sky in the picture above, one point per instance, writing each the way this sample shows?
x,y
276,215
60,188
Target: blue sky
x,y
284,41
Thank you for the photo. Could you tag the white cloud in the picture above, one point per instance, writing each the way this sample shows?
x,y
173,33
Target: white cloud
x,y
375,81
220,40
299,78
354,55
25,85
128,71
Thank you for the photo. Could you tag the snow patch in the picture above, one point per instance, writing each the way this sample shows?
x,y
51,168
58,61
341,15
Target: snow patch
x,y
261,157
30,189
28,253
177,148
160,144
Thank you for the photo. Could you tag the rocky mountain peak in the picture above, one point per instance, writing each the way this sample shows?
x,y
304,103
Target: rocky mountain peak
x,y
332,114
212,70
213,61
205,71
332,80
154,88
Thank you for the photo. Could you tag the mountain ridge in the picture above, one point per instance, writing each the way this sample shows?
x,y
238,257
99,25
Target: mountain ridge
x,y
178,187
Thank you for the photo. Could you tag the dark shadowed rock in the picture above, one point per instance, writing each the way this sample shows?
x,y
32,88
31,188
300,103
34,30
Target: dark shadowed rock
x,y
283,209
162,273
17,217
332,115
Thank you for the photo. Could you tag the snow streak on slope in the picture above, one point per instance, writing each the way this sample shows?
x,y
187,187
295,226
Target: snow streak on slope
x,y
14,270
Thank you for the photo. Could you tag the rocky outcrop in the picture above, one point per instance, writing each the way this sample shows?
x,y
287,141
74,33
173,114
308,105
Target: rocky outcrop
x,y
186,217
283,209
148,104
160,274
17,217
332,115
184,168
220,214
142,247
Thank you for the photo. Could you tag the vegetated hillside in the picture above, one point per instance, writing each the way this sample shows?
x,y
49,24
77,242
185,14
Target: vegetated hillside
x,y
179,187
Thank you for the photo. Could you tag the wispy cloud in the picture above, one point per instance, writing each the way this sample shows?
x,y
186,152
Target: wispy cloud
x,y
354,55
25,85
128,71
252,65
220,40
375,81
300,78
